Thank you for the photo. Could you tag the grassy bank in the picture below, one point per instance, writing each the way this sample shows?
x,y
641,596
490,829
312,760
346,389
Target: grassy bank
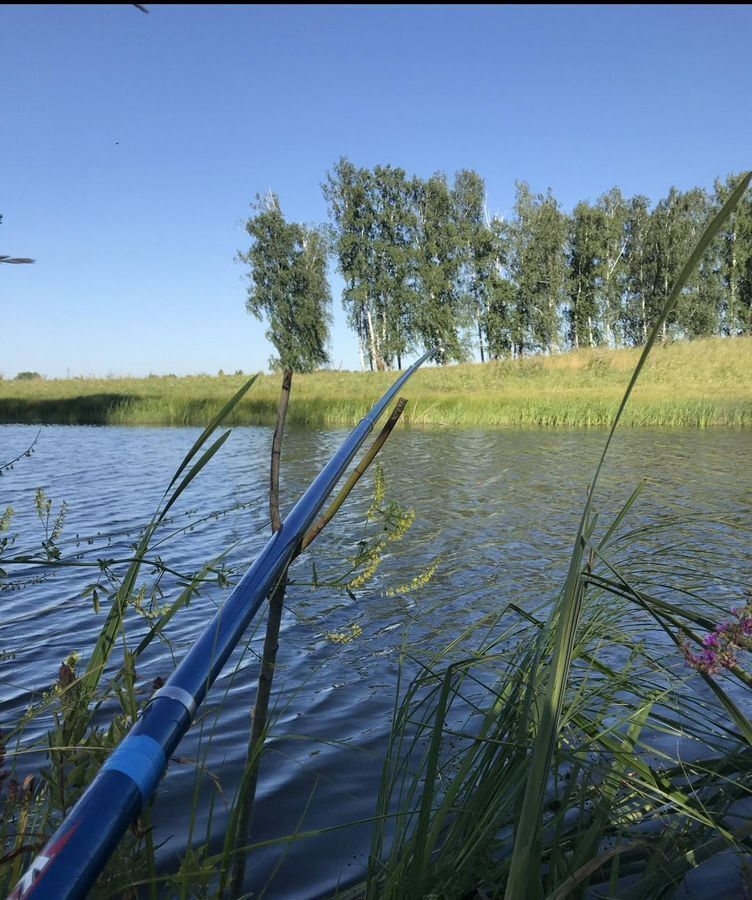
x,y
697,384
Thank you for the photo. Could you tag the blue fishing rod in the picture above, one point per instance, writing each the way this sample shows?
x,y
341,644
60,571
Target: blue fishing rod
x,y
74,856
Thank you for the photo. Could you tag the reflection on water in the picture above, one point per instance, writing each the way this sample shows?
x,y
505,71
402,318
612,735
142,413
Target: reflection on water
x,y
497,509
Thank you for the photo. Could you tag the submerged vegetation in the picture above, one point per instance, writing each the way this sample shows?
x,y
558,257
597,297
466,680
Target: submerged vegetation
x,y
696,384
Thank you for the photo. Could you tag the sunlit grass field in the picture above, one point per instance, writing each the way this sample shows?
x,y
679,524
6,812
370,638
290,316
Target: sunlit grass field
x,y
696,384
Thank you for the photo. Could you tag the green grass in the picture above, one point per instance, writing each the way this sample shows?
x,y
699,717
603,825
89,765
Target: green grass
x,y
694,384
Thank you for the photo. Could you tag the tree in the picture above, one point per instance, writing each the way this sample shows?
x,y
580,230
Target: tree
x,y
374,241
736,261
638,278
498,317
612,273
346,190
288,286
673,229
395,224
485,299
586,252
699,305
439,315
538,267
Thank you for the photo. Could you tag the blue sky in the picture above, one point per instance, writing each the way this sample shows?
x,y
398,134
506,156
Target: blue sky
x,y
131,145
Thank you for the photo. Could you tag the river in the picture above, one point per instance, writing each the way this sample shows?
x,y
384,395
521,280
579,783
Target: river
x,y
496,510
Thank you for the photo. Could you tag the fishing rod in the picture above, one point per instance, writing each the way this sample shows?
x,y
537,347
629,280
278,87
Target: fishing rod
x,y
77,852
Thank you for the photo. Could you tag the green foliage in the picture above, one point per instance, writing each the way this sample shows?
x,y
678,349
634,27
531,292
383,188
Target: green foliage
x,y
735,262
289,286
424,265
419,262
374,236
28,376
75,744
538,267
52,529
439,262
486,297
394,522
611,276
524,760
696,384
586,243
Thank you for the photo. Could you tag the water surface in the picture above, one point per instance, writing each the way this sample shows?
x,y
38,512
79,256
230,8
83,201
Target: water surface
x,y
497,509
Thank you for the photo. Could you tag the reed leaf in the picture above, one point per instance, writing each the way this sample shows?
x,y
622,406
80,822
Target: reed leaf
x,y
210,428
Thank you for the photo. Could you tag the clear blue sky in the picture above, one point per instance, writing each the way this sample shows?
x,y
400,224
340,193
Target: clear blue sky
x,y
131,145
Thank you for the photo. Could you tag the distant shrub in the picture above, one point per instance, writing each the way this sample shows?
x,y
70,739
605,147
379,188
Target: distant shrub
x,y
28,376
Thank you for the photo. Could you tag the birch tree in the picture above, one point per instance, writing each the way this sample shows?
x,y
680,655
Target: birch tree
x,y
289,287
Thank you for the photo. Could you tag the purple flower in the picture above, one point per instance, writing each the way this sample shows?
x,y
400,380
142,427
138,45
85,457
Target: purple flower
x,y
722,644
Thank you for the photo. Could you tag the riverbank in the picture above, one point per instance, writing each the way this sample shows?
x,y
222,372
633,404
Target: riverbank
x,y
693,384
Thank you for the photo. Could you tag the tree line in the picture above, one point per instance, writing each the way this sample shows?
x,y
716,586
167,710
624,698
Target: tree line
x,y
425,265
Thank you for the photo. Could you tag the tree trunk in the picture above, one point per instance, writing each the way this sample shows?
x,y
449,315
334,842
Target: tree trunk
x,y
387,365
375,355
732,287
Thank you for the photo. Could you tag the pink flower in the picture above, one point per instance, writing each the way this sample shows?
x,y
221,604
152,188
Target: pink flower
x,y
722,644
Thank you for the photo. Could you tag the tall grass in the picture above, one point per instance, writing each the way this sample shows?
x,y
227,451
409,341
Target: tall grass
x,y
695,384
643,784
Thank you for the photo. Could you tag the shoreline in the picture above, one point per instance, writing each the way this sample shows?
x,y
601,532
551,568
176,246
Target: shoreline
x,y
698,384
